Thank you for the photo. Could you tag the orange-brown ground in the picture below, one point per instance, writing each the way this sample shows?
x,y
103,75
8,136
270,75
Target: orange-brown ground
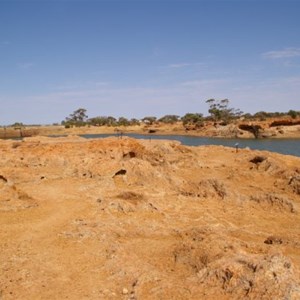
x,y
286,128
139,219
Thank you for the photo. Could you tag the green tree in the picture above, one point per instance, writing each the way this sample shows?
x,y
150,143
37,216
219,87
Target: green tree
x,y
261,115
111,121
17,125
123,122
134,121
103,121
192,119
77,118
292,113
97,121
220,110
247,116
149,120
169,119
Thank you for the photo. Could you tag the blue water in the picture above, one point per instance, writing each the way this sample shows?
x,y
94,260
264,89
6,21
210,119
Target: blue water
x,y
284,146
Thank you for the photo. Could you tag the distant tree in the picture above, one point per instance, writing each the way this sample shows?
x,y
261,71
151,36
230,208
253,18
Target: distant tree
x,y
123,122
292,113
278,114
97,121
192,119
77,118
111,121
247,116
169,119
149,120
134,121
261,115
103,121
220,110
17,125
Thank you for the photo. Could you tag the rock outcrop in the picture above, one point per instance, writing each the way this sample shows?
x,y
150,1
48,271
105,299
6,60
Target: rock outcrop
x,y
147,219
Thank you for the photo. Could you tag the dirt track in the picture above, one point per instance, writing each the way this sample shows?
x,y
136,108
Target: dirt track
x,y
128,219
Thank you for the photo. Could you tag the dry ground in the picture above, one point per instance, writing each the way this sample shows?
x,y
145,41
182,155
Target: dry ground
x,y
133,219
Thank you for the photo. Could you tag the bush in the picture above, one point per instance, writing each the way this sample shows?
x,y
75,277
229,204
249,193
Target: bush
x,y
293,114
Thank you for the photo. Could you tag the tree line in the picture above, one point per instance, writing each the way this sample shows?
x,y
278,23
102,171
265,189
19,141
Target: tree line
x,y
219,111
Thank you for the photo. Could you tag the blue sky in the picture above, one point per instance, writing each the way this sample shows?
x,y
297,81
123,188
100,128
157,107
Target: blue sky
x,y
147,57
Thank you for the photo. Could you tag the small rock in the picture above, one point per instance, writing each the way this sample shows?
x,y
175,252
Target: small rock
x,y
125,291
273,240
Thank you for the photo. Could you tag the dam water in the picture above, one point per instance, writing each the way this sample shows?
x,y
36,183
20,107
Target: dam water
x,y
283,146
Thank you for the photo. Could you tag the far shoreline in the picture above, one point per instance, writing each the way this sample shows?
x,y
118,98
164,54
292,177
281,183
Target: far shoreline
x,y
238,130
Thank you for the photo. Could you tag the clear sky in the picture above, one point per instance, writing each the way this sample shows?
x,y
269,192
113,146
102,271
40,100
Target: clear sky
x,y
146,57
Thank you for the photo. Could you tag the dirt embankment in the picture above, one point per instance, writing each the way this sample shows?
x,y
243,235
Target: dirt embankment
x,y
271,128
139,219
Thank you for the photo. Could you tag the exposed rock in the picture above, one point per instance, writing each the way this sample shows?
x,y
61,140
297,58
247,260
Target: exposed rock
x,y
253,128
273,240
284,123
294,182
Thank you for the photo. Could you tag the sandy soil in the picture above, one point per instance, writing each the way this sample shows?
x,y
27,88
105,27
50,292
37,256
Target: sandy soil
x,y
139,219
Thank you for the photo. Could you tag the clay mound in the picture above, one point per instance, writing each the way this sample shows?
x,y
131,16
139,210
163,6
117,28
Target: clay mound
x,y
273,202
294,183
127,202
12,198
237,275
287,176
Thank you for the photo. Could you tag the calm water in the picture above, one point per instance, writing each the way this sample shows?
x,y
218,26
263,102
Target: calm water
x,y
284,146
